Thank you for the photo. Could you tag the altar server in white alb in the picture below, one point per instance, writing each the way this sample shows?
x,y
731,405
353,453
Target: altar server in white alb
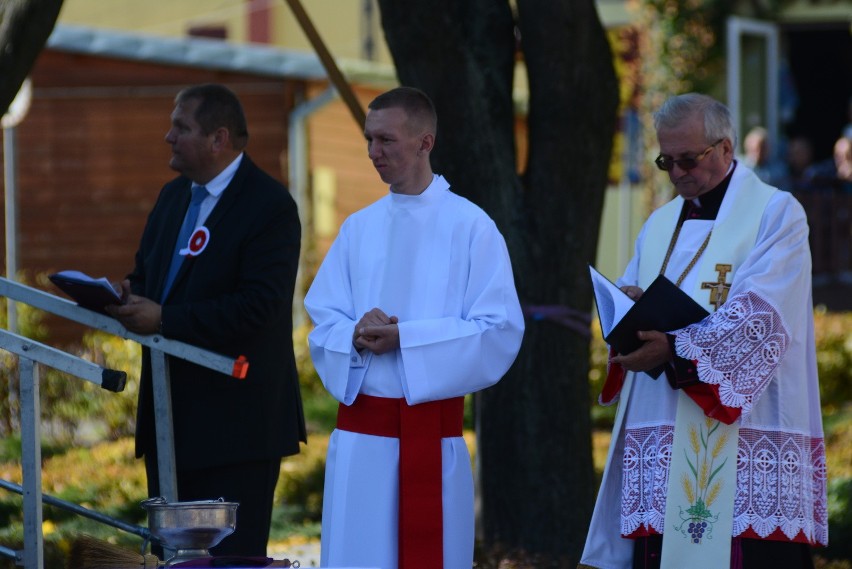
x,y
414,307
721,461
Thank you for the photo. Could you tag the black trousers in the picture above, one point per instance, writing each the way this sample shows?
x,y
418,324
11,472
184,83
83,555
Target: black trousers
x,y
251,484
754,553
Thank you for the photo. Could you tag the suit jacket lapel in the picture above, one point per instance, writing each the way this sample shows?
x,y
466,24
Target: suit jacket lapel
x,y
226,201
229,196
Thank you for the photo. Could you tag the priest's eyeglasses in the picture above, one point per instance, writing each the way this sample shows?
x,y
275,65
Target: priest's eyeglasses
x,y
667,163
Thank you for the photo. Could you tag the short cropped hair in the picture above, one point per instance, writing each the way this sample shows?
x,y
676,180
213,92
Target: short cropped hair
x,y
416,104
218,107
718,123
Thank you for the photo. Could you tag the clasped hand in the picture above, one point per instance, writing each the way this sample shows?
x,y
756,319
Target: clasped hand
x,y
376,332
655,350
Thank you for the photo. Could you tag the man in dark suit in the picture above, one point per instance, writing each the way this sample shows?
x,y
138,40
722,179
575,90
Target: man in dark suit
x,y
229,290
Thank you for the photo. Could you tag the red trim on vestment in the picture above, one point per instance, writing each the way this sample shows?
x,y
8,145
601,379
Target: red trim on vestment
x,y
706,395
749,533
419,429
777,535
614,380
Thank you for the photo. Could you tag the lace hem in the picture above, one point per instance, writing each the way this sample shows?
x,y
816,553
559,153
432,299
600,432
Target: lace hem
x,y
781,482
737,348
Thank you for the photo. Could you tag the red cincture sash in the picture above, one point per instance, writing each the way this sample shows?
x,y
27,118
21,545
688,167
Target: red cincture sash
x,y
615,375
419,429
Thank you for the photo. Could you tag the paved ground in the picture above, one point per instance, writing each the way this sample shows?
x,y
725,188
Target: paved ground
x,y
308,554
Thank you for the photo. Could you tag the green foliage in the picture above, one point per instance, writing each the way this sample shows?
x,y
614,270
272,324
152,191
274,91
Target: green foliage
x,y
105,477
76,411
70,406
320,407
684,46
602,416
108,479
680,47
11,448
839,518
838,451
834,358
55,551
114,413
300,486
29,324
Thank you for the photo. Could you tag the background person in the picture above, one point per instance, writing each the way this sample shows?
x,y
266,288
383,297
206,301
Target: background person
x,y
758,157
233,296
747,374
843,164
414,307
800,163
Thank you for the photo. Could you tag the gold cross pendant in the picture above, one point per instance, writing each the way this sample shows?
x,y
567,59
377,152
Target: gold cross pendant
x,y
719,290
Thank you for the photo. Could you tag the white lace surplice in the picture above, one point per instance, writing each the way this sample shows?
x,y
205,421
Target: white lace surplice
x,y
758,348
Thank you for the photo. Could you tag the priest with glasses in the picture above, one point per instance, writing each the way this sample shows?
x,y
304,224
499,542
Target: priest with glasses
x,y
721,461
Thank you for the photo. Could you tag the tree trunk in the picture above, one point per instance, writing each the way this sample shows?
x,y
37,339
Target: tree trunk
x,y
25,26
538,484
543,503
462,55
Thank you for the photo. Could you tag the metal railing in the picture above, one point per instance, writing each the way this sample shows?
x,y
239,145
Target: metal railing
x,y
30,353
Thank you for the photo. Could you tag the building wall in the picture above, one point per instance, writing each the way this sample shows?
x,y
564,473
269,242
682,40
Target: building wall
x,y
160,17
341,23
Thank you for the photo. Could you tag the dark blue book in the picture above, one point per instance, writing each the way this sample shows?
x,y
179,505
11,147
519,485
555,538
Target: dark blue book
x,y
94,294
662,307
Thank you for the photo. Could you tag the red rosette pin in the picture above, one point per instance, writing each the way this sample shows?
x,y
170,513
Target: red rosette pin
x,y
197,242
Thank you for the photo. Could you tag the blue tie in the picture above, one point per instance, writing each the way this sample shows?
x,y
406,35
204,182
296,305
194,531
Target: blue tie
x,y
198,195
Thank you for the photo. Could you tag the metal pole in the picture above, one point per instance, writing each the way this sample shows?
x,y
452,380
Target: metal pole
x,y
298,168
10,176
10,198
164,429
140,531
31,464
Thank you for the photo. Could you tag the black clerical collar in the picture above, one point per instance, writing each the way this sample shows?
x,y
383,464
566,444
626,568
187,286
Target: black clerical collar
x,y
710,202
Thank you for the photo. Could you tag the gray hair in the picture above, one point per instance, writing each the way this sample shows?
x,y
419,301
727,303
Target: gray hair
x,y
718,123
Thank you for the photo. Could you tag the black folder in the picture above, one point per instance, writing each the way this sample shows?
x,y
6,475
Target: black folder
x,y
663,307
90,293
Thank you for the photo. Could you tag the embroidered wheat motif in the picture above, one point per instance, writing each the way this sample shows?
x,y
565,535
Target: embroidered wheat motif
x,y
700,488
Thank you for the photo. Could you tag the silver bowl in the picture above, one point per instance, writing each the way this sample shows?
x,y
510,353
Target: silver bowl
x,y
190,528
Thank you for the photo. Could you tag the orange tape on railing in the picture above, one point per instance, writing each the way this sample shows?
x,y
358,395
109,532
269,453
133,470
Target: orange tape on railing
x,y
240,367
